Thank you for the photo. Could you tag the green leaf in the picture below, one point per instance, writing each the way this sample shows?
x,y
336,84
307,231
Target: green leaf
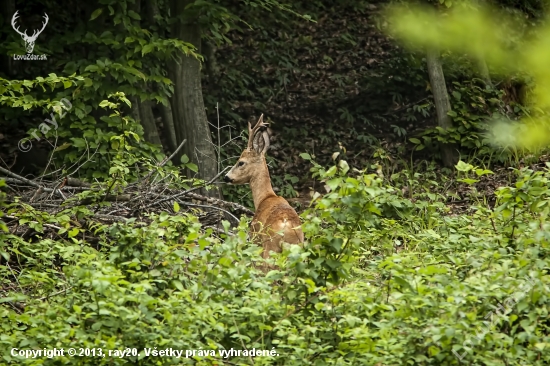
x,y
344,166
463,167
177,284
74,232
14,298
192,167
96,13
415,140
146,49
176,207
336,244
481,172
468,180
305,156
403,283
225,261
134,15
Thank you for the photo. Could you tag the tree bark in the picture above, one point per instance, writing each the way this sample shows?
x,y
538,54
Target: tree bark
x,y
143,110
442,104
134,112
187,102
168,125
7,9
150,132
168,131
484,71
152,11
211,66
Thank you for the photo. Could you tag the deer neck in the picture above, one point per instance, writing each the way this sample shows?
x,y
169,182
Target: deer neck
x,y
261,187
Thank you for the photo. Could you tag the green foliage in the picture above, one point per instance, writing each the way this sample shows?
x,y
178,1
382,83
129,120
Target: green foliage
x,y
341,222
111,55
112,139
460,30
386,276
472,108
390,273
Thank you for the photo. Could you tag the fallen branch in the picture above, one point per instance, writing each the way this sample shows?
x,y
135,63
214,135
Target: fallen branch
x,y
208,206
177,195
219,202
41,188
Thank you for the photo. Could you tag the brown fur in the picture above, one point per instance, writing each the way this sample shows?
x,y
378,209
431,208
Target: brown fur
x,y
275,221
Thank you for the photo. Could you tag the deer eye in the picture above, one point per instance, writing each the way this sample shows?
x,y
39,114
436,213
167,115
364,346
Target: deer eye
x,y
241,163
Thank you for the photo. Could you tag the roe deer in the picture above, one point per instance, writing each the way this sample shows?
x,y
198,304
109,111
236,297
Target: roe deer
x,y
275,221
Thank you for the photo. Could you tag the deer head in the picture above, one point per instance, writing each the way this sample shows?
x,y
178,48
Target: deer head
x,y
252,160
29,40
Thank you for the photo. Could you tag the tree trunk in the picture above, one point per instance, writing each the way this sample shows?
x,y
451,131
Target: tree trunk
x,y
144,112
484,71
168,125
7,9
150,132
152,11
211,67
134,112
187,102
442,104
168,131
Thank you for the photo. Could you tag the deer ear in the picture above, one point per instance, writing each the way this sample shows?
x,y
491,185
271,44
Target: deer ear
x,y
257,142
261,142
265,138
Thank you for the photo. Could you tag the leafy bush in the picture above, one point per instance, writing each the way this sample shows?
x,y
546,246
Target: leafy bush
x,y
473,106
385,277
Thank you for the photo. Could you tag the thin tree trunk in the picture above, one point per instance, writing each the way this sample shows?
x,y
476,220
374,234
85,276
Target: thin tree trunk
x,y
442,104
211,66
168,125
168,131
152,11
148,122
484,71
145,111
7,9
135,108
187,102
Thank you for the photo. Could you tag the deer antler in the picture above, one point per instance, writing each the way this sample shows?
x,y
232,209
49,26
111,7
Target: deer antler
x,y
13,19
252,131
37,33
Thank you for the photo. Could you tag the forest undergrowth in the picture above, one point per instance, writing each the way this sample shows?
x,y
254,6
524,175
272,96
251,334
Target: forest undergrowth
x,y
389,274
